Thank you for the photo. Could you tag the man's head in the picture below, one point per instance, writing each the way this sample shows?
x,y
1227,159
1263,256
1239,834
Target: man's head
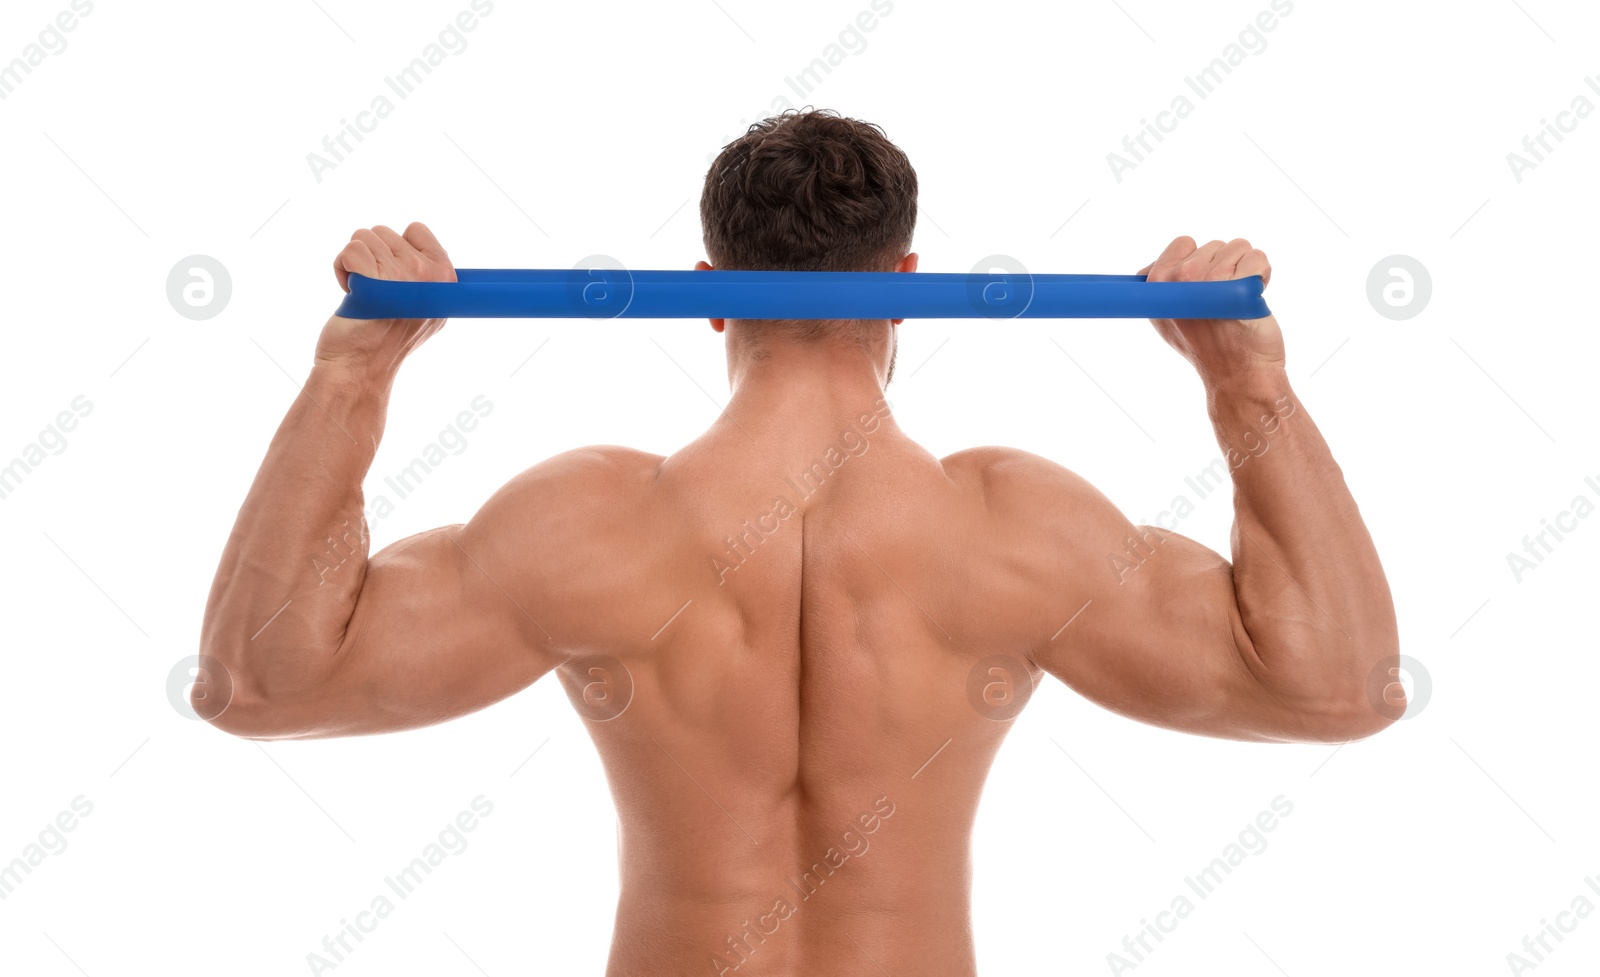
x,y
808,190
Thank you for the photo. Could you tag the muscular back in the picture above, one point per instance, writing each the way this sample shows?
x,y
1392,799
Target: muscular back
x,y
799,761
797,643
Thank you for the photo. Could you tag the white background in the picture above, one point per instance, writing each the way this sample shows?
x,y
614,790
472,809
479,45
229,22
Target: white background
x,y
1362,130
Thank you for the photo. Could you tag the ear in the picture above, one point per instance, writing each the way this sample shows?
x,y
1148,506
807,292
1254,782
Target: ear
x,y
907,264
717,324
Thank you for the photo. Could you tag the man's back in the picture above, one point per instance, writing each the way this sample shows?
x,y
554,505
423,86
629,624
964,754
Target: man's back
x,y
783,704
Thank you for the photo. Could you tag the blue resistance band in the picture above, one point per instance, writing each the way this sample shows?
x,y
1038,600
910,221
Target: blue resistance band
x,y
606,293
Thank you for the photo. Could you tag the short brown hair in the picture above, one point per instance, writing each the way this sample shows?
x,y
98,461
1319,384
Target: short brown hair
x,y
808,190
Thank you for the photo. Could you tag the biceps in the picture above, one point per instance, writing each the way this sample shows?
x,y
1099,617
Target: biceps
x,y
437,632
1162,642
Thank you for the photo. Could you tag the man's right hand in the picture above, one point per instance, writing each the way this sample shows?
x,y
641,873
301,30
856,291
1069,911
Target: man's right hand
x,y
1223,350
381,253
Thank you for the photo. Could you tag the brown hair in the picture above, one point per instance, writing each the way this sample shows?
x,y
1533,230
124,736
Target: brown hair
x,y
807,190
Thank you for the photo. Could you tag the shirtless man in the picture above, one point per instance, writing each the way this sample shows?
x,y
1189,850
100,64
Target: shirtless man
x,y
797,642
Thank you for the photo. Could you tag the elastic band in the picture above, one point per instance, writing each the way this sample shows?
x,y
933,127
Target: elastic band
x,y
606,293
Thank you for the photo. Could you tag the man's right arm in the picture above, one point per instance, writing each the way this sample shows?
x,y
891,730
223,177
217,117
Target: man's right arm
x,y
1279,644
1284,643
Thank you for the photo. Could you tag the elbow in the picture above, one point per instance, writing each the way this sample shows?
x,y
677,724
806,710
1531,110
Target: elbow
x,y
1346,721
235,715
212,691
243,722
1378,703
259,721
228,700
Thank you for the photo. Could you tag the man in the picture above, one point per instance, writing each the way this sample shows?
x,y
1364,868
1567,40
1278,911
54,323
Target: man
x,y
798,640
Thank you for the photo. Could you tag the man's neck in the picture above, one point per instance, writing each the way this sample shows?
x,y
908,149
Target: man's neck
x,y
800,393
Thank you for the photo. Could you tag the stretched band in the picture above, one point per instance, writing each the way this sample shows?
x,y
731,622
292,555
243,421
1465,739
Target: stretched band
x,y
607,293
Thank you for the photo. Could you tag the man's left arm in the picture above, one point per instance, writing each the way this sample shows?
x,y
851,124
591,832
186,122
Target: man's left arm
x,y
303,634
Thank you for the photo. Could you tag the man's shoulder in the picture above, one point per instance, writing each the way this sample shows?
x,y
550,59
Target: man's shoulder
x,y
1020,483
601,466
595,479
610,462
998,467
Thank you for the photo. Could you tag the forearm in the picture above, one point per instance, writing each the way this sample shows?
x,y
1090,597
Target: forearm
x,y
1310,588
293,567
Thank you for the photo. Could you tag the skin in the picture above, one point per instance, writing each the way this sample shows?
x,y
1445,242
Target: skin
x,y
824,698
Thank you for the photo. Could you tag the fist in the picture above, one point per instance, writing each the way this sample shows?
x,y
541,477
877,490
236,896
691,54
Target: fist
x,y
416,256
379,252
1222,350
